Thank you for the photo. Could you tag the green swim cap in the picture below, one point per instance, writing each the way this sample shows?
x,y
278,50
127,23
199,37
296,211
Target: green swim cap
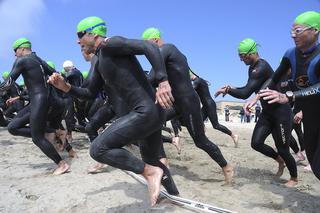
x,y
51,64
247,46
85,74
151,33
21,42
309,18
5,74
63,72
92,24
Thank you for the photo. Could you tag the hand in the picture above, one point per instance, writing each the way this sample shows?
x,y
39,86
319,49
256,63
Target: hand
x,y
298,117
273,96
247,107
58,81
12,100
164,96
222,90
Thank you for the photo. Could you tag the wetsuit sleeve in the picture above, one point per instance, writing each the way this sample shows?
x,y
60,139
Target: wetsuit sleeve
x,y
256,79
307,92
14,74
74,80
14,90
120,45
152,78
24,97
94,86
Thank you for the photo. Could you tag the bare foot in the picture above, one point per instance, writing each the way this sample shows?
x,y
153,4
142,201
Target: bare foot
x,y
153,176
176,143
63,167
235,140
228,173
72,154
292,182
97,168
281,166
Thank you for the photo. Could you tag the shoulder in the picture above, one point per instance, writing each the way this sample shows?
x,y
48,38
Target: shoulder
x,y
169,50
24,59
262,67
168,46
290,52
115,38
114,41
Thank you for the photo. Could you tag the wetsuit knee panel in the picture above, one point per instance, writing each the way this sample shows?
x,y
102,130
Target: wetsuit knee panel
x,y
98,147
256,143
203,142
12,128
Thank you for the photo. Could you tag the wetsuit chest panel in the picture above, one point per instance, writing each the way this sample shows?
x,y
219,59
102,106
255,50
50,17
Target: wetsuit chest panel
x,y
125,77
291,55
261,71
177,70
313,78
34,76
302,71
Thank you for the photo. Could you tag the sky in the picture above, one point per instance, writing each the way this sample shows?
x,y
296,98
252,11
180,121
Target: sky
x,y
206,31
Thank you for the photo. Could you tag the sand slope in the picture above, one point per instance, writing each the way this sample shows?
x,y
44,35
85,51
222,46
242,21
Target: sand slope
x,y
26,183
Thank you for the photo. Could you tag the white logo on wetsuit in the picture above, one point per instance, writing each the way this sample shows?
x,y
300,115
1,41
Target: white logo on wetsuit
x,y
311,92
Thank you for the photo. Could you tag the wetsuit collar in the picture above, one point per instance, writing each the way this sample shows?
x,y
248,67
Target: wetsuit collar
x,y
98,48
100,45
254,64
310,50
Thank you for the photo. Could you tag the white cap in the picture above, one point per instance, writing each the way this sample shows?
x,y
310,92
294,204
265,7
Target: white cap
x,y
68,64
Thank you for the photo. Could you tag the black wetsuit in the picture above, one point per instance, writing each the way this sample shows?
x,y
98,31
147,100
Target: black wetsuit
x,y
99,116
187,104
209,108
298,129
75,78
274,119
3,97
103,115
166,139
305,76
18,125
34,72
119,69
14,91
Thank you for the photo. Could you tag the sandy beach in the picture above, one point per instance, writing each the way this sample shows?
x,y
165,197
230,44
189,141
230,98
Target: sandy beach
x,y
27,185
